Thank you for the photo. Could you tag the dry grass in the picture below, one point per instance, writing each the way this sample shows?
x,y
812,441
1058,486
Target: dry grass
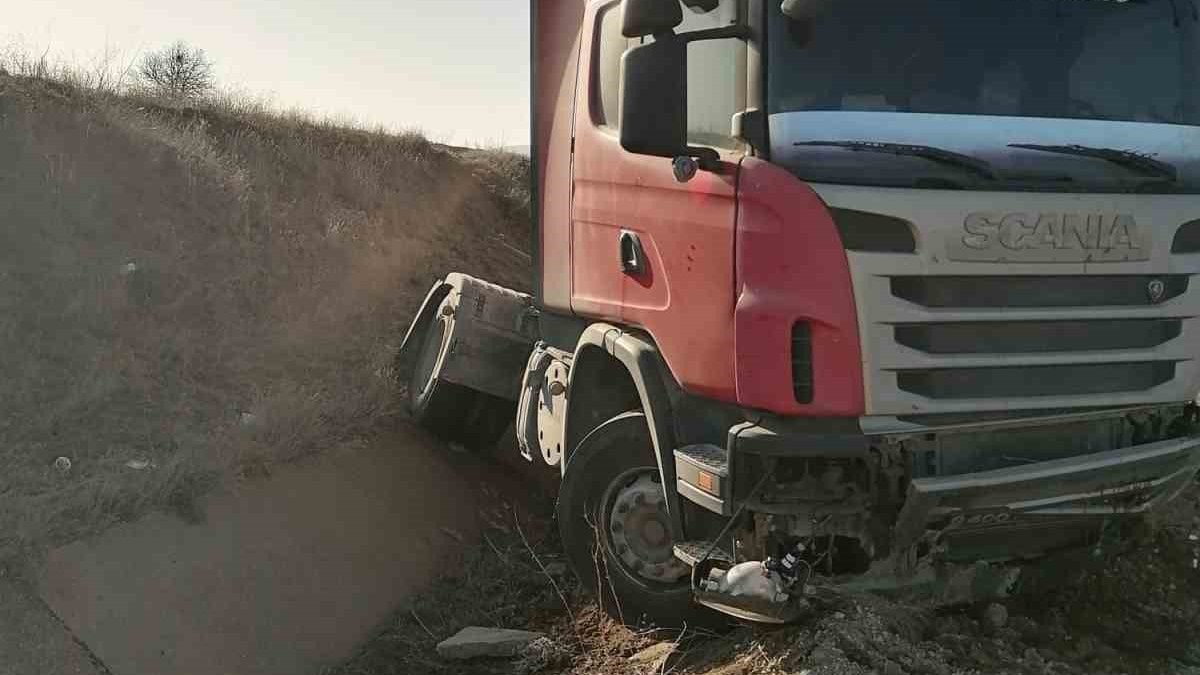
x,y
211,288
516,578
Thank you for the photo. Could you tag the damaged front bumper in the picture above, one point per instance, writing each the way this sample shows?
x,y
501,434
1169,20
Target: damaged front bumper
x,y
1024,511
958,537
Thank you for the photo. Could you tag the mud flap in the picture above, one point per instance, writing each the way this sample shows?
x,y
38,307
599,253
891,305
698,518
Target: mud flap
x,y
406,356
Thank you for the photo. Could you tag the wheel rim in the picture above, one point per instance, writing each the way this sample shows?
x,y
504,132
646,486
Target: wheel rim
x,y
431,352
638,530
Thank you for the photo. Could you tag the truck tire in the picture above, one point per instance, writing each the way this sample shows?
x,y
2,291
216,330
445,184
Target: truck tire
x,y
451,411
615,531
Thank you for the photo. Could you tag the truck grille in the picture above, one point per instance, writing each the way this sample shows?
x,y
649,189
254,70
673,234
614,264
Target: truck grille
x,y
959,343
1072,380
1029,331
1037,291
1018,337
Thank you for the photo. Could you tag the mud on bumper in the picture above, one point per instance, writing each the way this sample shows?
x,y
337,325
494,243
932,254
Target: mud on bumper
x,y
937,526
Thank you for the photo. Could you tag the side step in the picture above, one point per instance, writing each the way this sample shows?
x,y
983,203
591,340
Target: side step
x,y
702,476
692,552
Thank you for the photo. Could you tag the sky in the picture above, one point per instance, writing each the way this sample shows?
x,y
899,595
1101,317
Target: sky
x,y
457,70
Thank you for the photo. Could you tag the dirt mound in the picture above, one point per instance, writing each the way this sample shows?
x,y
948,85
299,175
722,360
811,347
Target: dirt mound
x,y
189,291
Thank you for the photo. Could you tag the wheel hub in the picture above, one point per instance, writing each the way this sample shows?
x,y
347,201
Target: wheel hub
x,y
640,532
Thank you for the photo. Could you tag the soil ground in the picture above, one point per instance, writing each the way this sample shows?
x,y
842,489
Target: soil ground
x,y
274,576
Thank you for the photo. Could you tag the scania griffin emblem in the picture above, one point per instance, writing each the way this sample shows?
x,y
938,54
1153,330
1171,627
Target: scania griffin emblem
x,y
1157,290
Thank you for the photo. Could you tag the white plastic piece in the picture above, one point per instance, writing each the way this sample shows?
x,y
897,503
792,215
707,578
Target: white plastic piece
x,y
747,580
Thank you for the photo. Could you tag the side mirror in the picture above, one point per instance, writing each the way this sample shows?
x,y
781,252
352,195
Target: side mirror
x,y
654,98
644,18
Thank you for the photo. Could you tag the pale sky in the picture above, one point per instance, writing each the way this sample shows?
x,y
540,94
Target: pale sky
x,y
456,69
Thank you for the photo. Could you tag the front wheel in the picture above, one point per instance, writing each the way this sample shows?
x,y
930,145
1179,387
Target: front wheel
x,y
614,526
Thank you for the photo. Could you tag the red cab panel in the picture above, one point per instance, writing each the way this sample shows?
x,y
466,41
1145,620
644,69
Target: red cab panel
x,y
791,267
683,295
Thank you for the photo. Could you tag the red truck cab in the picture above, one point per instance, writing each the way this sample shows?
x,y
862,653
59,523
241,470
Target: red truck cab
x,y
841,293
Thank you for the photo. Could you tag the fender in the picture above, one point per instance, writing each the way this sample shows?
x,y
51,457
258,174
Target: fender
x,y
645,367
492,333
406,357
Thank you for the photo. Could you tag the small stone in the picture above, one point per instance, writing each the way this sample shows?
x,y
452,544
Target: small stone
x,y
1049,654
950,640
63,464
1085,648
995,617
1106,651
824,654
476,642
652,658
1033,657
840,616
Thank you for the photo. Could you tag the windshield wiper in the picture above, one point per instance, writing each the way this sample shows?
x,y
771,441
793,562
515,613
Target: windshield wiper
x,y
1146,166
948,157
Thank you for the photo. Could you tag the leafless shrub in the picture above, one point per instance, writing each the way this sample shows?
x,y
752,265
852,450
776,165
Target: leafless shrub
x,y
177,71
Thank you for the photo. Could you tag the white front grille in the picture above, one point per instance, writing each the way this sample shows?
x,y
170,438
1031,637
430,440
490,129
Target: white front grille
x,y
942,335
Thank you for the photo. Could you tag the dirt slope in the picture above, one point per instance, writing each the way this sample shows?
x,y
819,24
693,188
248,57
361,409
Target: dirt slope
x,y
209,291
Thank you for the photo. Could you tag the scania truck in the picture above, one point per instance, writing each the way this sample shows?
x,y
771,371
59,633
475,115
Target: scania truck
x,y
837,294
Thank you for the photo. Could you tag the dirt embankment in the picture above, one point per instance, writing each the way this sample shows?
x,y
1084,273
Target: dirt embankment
x,y
193,292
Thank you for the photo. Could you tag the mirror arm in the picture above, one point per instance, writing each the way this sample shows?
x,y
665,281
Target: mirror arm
x,y
706,158
740,32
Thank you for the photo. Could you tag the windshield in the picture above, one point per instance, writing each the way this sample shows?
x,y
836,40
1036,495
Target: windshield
x,y
1132,60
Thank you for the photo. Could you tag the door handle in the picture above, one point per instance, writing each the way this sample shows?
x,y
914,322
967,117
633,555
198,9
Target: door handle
x,y
633,258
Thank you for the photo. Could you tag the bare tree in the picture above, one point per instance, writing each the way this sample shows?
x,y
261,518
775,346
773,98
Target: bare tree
x,y
178,71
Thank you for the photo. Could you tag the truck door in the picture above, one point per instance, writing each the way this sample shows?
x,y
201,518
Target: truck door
x,y
646,250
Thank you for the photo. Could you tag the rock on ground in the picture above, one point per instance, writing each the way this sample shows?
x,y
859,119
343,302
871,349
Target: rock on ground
x,y
475,642
652,658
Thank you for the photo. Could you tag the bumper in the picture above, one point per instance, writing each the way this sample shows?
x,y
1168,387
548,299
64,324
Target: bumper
x,y
1018,512
947,538
1023,511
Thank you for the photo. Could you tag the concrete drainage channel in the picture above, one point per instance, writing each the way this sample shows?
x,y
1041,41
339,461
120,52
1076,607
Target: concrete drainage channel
x,y
286,575
34,640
